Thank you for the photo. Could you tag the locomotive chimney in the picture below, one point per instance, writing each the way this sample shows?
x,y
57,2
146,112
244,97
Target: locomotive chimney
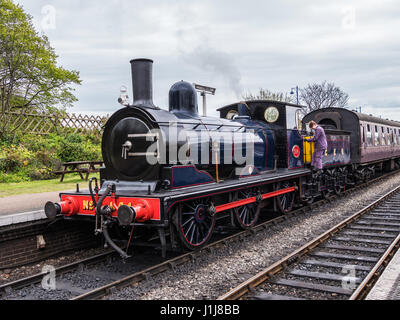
x,y
142,82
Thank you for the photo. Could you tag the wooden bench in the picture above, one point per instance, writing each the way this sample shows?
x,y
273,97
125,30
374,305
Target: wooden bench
x,y
81,167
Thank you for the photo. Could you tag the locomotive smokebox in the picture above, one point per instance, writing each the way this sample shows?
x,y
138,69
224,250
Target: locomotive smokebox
x,y
142,82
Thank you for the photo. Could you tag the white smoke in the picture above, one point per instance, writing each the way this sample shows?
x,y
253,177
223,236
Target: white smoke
x,y
218,63
194,40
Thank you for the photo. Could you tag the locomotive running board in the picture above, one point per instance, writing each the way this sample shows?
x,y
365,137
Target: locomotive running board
x,y
239,203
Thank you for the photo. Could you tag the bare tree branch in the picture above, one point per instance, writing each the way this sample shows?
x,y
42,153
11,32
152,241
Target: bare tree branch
x,y
325,95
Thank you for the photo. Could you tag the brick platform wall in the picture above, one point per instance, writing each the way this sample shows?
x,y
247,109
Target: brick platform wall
x,y
59,238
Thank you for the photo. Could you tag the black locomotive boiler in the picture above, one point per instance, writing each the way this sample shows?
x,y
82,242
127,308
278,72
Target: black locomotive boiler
x,y
177,174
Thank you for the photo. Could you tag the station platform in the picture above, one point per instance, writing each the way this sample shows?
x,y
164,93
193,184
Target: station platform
x,y
388,285
25,207
17,218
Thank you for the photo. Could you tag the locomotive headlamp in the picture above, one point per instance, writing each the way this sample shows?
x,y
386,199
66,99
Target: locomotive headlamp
x,y
124,98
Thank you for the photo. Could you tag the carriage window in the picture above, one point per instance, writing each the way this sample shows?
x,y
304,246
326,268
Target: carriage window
x,y
369,135
363,133
376,136
390,135
383,138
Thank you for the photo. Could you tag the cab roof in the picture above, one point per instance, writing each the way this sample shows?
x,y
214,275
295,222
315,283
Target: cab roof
x,y
262,101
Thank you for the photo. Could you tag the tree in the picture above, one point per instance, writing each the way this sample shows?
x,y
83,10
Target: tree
x,y
325,95
29,76
265,94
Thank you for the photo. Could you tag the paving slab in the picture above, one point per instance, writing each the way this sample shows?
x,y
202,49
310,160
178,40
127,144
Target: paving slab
x,y
25,207
26,202
18,218
388,285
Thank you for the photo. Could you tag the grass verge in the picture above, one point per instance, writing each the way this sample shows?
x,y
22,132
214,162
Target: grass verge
x,y
32,187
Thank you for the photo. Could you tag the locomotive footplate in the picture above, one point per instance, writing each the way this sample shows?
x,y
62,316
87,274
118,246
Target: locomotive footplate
x,y
154,206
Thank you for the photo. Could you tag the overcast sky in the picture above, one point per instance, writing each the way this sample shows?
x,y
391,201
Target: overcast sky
x,y
235,46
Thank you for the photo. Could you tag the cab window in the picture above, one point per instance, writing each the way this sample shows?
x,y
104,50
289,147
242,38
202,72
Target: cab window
x,y
293,121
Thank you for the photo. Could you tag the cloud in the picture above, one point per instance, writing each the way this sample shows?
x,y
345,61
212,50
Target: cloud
x,y
233,46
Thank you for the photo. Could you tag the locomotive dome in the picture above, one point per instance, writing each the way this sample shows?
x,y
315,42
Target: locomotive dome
x,y
183,98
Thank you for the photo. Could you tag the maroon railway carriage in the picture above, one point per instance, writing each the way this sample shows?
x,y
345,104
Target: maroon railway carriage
x,y
374,142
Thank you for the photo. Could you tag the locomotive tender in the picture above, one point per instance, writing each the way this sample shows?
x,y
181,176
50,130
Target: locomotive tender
x,y
178,174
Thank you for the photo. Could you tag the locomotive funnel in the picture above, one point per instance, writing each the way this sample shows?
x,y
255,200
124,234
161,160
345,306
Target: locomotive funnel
x,y
142,82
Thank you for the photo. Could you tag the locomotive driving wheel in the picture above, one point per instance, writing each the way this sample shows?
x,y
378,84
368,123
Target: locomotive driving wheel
x,y
195,224
245,217
285,201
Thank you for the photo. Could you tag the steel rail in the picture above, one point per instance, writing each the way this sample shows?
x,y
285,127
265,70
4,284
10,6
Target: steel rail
x,y
367,284
37,278
191,256
266,274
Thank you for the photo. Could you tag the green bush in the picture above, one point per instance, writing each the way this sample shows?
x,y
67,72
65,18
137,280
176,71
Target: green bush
x,y
13,158
36,157
74,151
74,138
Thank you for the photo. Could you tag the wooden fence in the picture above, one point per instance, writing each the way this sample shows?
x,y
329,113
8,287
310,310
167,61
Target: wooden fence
x,y
42,123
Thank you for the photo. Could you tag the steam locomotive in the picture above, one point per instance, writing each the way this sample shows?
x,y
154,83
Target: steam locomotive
x,y
178,175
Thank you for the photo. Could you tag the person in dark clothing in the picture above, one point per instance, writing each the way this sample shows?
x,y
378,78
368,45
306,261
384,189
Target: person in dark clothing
x,y
320,145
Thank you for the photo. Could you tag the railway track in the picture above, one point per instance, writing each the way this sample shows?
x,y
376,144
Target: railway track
x,y
113,279
8,288
342,263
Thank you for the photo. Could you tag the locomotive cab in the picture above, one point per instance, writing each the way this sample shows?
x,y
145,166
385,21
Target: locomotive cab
x,y
284,119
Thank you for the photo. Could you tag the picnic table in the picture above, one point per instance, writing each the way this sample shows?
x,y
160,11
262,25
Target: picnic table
x,y
81,167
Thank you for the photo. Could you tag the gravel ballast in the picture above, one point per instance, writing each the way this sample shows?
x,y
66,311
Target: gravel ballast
x,y
9,275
